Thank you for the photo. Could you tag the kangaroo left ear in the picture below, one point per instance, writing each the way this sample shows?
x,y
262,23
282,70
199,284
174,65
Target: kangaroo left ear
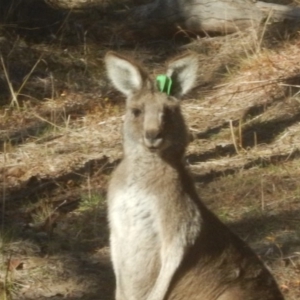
x,y
126,75
183,73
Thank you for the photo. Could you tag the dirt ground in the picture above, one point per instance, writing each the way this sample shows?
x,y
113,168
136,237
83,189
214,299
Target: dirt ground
x,y
60,123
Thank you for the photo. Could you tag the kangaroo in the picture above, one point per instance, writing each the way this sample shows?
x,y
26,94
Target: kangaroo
x,y
165,243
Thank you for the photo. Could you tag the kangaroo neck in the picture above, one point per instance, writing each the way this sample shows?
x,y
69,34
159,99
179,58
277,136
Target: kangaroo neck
x,y
140,155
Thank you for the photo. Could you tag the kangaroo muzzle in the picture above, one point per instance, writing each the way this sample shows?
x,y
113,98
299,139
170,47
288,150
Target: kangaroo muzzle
x,y
153,139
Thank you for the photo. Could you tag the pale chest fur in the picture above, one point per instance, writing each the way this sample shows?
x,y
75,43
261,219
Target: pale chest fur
x,y
132,211
134,234
137,199
143,199
136,196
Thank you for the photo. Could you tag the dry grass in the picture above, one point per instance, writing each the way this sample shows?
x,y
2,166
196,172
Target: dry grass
x,y
262,205
60,139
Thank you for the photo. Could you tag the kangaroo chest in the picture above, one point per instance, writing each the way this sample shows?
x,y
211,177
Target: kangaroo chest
x,y
133,212
135,240
137,198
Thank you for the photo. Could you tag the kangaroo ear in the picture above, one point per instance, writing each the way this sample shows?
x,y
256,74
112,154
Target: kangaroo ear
x,y
183,71
127,76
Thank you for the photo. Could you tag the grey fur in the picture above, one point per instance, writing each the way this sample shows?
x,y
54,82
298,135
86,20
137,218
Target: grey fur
x,y
165,244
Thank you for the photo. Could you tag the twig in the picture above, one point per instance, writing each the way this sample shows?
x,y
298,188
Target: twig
x,y
233,137
255,139
11,89
262,195
240,134
14,94
47,121
28,75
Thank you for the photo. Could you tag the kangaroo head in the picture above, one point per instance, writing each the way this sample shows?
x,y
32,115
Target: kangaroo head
x,y
153,119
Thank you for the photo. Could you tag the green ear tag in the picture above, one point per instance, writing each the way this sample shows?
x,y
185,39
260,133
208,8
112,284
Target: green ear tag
x,y
164,83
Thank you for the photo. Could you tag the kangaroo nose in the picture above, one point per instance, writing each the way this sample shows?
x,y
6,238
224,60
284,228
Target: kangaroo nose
x,y
153,138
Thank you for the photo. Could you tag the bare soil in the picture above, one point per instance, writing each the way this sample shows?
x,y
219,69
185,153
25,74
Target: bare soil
x,y
60,140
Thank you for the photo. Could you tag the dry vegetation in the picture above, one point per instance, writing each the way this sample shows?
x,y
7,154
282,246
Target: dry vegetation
x,y
60,139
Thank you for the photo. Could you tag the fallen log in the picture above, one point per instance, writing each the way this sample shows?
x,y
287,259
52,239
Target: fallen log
x,y
219,16
279,12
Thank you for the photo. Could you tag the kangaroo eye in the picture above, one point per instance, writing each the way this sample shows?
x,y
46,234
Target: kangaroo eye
x,y
136,112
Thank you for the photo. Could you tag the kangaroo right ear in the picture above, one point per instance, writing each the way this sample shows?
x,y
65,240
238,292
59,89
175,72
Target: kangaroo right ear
x,y
126,76
183,72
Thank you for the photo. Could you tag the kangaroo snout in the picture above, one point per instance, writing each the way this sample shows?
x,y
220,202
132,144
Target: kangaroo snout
x,y
153,139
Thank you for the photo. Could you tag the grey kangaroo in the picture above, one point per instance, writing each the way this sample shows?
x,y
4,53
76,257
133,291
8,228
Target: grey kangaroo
x,y
165,243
